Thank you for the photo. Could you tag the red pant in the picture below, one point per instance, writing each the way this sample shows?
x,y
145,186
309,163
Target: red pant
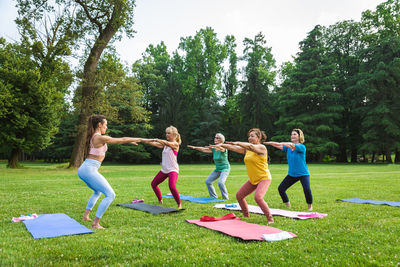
x,y
172,178
261,188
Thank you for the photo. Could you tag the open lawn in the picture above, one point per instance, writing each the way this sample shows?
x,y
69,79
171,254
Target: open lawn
x,y
352,234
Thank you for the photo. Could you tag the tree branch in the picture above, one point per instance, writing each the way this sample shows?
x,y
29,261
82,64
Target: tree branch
x,y
93,20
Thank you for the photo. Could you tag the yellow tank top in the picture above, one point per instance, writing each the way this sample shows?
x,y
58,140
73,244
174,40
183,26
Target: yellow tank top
x,y
257,167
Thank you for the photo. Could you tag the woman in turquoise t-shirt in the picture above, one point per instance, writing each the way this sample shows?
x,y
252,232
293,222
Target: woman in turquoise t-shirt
x,y
222,167
298,171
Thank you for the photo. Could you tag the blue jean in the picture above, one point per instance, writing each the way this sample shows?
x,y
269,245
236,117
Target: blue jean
x,y
89,173
221,183
289,181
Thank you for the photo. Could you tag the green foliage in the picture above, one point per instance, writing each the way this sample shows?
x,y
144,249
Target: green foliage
x,y
255,98
307,98
231,83
351,234
32,98
120,97
382,123
344,45
61,145
380,75
182,89
341,88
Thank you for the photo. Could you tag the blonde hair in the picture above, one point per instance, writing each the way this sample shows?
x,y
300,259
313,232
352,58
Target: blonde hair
x,y
221,136
301,135
173,130
260,134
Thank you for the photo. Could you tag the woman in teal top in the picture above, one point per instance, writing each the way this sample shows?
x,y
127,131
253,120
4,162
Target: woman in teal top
x,y
222,167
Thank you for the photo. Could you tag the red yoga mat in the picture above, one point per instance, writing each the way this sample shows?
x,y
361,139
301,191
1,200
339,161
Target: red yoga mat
x,y
228,216
238,228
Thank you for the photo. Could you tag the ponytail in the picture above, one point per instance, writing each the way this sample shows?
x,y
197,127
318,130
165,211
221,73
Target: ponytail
x,y
92,125
178,138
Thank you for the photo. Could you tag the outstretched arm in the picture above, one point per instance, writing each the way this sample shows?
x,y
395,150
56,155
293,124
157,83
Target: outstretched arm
x,y
200,148
217,148
152,142
274,144
260,149
174,145
230,147
121,140
289,145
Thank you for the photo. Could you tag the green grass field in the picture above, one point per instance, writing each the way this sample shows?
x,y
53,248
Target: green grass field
x,y
352,234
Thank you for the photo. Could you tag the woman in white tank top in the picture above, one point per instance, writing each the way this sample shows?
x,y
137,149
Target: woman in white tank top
x,y
170,167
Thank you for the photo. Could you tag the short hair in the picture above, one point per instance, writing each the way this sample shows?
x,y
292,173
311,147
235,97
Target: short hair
x,y
301,135
260,134
221,136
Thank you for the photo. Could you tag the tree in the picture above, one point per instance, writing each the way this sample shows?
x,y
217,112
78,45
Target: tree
x,y
381,123
344,44
230,75
32,97
200,73
255,101
307,98
94,23
120,99
230,109
100,21
380,75
61,145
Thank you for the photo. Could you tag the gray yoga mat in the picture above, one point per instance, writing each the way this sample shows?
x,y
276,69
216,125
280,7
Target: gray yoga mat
x,y
153,209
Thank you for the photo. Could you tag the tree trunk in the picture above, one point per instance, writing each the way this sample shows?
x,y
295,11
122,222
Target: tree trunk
x,y
13,159
320,157
342,157
354,155
364,157
397,157
373,157
89,90
389,157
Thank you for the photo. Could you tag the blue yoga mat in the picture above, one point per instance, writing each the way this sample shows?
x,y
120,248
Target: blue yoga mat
x,y
201,200
53,225
375,202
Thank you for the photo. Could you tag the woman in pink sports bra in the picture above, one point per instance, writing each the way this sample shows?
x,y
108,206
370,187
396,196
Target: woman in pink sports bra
x,y
170,167
96,147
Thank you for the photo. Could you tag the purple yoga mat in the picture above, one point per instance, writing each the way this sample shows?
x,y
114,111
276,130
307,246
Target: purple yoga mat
x,y
240,229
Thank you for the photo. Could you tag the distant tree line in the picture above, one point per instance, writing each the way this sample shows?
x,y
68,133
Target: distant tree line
x,y
342,89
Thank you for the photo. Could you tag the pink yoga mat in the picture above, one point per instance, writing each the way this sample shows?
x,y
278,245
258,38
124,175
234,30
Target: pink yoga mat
x,y
238,228
275,212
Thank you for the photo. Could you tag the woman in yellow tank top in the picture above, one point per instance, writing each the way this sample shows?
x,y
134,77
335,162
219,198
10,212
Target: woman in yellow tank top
x,y
256,160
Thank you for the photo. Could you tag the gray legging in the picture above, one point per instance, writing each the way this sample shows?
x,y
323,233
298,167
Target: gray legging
x,y
221,183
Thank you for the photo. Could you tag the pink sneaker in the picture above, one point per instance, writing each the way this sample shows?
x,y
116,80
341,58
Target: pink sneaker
x,y
137,201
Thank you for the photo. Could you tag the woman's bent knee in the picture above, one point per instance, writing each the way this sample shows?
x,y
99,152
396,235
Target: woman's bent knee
x,y
111,195
259,199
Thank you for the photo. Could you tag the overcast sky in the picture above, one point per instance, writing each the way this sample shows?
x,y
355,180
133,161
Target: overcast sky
x,y
284,23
